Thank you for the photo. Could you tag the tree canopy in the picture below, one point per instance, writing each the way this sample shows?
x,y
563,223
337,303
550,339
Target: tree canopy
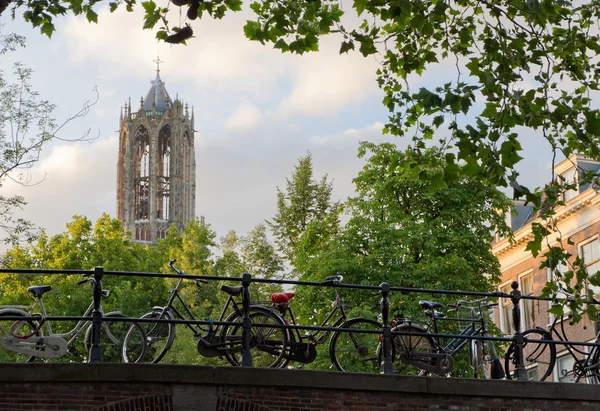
x,y
512,69
26,126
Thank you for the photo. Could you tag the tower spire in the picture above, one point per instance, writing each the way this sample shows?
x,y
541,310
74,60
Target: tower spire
x,y
158,61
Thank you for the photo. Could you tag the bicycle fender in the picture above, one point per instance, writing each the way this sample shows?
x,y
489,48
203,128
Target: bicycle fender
x,y
14,311
113,313
262,308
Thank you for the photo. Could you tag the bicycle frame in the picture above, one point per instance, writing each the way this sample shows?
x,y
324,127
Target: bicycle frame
x,y
440,359
187,314
584,364
320,336
60,341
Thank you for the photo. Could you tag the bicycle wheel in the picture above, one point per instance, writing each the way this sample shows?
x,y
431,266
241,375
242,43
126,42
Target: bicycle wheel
x,y
356,351
267,344
159,335
413,348
25,327
538,357
112,339
480,369
592,373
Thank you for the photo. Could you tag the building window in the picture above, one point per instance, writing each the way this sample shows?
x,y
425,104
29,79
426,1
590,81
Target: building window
x,y
142,173
527,313
569,176
164,173
591,379
506,322
563,370
590,252
532,374
557,276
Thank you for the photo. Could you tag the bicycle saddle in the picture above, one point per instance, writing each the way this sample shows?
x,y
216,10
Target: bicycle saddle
x,y
429,305
282,297
232,290
39,290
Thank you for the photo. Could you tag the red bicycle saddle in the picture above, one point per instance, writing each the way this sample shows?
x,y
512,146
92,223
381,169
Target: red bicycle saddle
x,y
282,297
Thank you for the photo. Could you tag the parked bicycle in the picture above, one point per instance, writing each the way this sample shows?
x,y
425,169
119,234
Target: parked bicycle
x,y
348,351
540,355
424,353
266,342
25,340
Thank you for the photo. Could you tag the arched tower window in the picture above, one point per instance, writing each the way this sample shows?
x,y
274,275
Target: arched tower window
x,y
186,166
142,174
164,172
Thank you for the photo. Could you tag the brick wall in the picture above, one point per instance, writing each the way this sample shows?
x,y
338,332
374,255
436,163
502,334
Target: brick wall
x,y
282,399
71,396
144,387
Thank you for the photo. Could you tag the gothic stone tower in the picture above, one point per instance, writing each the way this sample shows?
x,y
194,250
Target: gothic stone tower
x,y
156,169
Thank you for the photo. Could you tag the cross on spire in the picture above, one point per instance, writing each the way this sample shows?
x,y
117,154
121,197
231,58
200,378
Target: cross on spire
x,y
158,61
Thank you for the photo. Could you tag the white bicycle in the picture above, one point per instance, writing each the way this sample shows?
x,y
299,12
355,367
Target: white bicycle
x,y
27,339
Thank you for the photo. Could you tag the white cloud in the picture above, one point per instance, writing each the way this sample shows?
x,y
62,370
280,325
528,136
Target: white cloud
x,y
222,59
372,132
325,82
244,118
78,179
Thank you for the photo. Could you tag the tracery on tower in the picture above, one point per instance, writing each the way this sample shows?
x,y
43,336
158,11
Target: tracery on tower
x,y
156,166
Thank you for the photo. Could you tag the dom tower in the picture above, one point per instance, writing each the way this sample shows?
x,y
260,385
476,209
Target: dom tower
x,y
156,169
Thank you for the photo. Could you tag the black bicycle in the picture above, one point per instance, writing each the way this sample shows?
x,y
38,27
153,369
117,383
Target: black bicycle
x,y
539,353
349,351
420,352
268,334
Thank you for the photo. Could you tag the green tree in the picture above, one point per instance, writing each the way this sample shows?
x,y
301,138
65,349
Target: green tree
x,y
303,201
416,222
26,125
254,254
82,245
521,68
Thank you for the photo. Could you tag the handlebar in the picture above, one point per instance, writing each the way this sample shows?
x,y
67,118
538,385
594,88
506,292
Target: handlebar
x,y
572,297
333,280
85,280
172,267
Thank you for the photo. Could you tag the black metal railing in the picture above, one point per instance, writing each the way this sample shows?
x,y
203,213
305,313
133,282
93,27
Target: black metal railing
x,y
246,280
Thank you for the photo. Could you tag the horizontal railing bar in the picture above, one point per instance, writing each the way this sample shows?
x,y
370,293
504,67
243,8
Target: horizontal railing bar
x,y
269,281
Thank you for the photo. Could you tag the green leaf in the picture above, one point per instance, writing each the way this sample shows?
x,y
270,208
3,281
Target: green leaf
x,y
47,29
149,6
346,46
592,125
92,16
557,309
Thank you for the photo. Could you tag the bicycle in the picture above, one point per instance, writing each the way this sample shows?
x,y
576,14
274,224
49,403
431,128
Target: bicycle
x,y
348,351
416,347
541,354
26,340
266,342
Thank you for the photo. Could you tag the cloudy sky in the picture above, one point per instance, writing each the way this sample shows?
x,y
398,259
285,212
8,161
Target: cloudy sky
x,y
257,111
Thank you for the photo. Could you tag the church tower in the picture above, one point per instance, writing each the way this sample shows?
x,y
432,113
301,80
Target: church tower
x,y
156,168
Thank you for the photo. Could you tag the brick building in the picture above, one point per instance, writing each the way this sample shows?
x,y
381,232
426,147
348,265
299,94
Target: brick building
x,y
156,168
579,221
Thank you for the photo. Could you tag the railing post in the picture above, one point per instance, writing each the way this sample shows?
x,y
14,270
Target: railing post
x,y
515,296
96,350
247,321
386,366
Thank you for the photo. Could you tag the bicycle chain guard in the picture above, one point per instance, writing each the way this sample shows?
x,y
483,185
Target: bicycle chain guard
x,y
43,347
207,347
301,352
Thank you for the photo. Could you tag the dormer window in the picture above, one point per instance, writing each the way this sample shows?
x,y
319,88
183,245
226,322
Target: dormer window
x,y
569,177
